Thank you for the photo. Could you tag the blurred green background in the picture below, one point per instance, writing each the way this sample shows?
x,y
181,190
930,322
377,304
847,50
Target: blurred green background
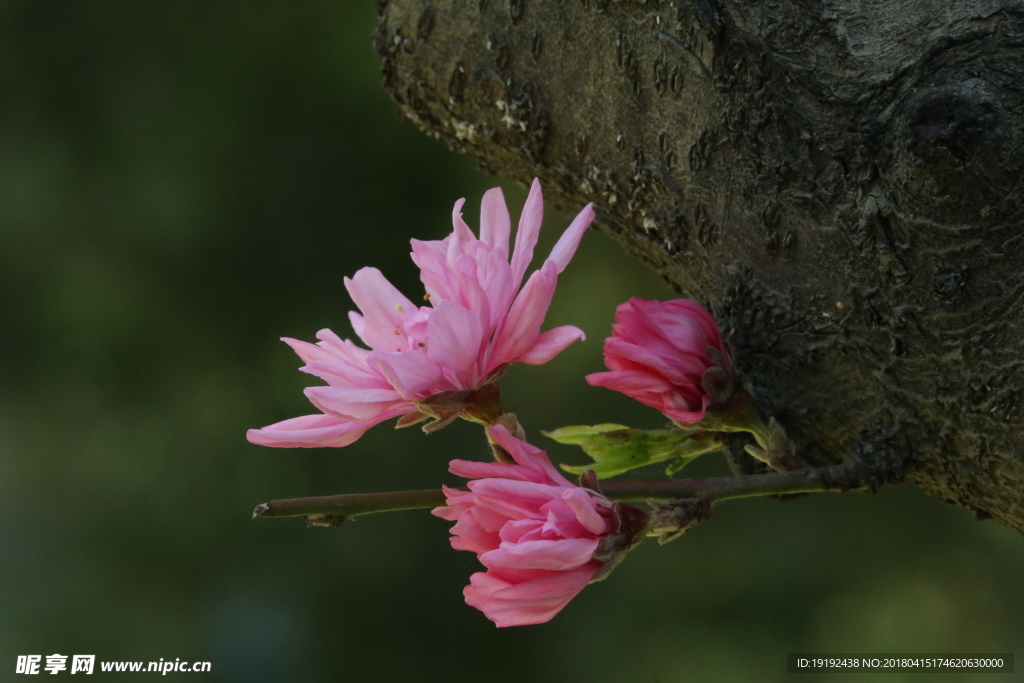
x,y
181,184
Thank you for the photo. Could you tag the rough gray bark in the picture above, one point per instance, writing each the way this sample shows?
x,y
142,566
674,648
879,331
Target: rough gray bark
x,y
840,182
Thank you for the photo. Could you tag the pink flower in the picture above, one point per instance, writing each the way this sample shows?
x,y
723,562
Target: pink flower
x,y
536,532
667,355
478,322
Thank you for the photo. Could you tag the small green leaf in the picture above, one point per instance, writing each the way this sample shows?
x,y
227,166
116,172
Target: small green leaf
x,y
616,448
582,434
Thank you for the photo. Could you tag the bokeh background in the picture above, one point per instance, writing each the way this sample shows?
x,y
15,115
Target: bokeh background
x,y
184,182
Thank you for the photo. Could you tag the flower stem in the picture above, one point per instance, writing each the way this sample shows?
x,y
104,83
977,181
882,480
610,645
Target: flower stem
x,y
773,448
333,510
347,505
838,478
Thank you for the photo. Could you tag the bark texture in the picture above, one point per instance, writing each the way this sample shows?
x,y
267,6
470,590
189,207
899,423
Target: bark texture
x,y
840,181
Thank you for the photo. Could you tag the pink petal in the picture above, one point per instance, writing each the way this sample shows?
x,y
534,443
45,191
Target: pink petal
x,y
688,416
457,496
460,237
449,512
482,586
559,555
462,232
528,456
358,325
671,313
413,374
473,469
340,374
681,367
353,404
311,431
617,363
470,292
564,250
668,328
585,507
514,499
522,327
489,520
551,343
636,327
520,529
495,224
454,339
497,283
310,352
343,347
529,229
382,306
629,382
435,274
531,602
472,533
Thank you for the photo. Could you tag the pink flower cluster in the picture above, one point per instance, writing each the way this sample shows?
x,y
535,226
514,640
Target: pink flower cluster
x,y
659,353
540,537
479,320
535,531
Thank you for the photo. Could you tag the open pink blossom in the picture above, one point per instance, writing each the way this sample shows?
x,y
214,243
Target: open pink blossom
x,y
536,532
660,353
479,320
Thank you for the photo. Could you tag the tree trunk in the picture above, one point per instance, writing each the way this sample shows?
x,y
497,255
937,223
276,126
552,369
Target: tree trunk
x,y
839,182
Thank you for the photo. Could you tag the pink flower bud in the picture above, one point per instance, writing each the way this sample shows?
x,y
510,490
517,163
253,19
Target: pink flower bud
x,y
478,321
668,355
535,531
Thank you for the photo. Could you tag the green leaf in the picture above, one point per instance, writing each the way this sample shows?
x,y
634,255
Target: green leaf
x,y
616,448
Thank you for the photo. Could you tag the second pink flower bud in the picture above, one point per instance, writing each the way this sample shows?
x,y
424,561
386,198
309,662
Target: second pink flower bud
x,y
668,355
